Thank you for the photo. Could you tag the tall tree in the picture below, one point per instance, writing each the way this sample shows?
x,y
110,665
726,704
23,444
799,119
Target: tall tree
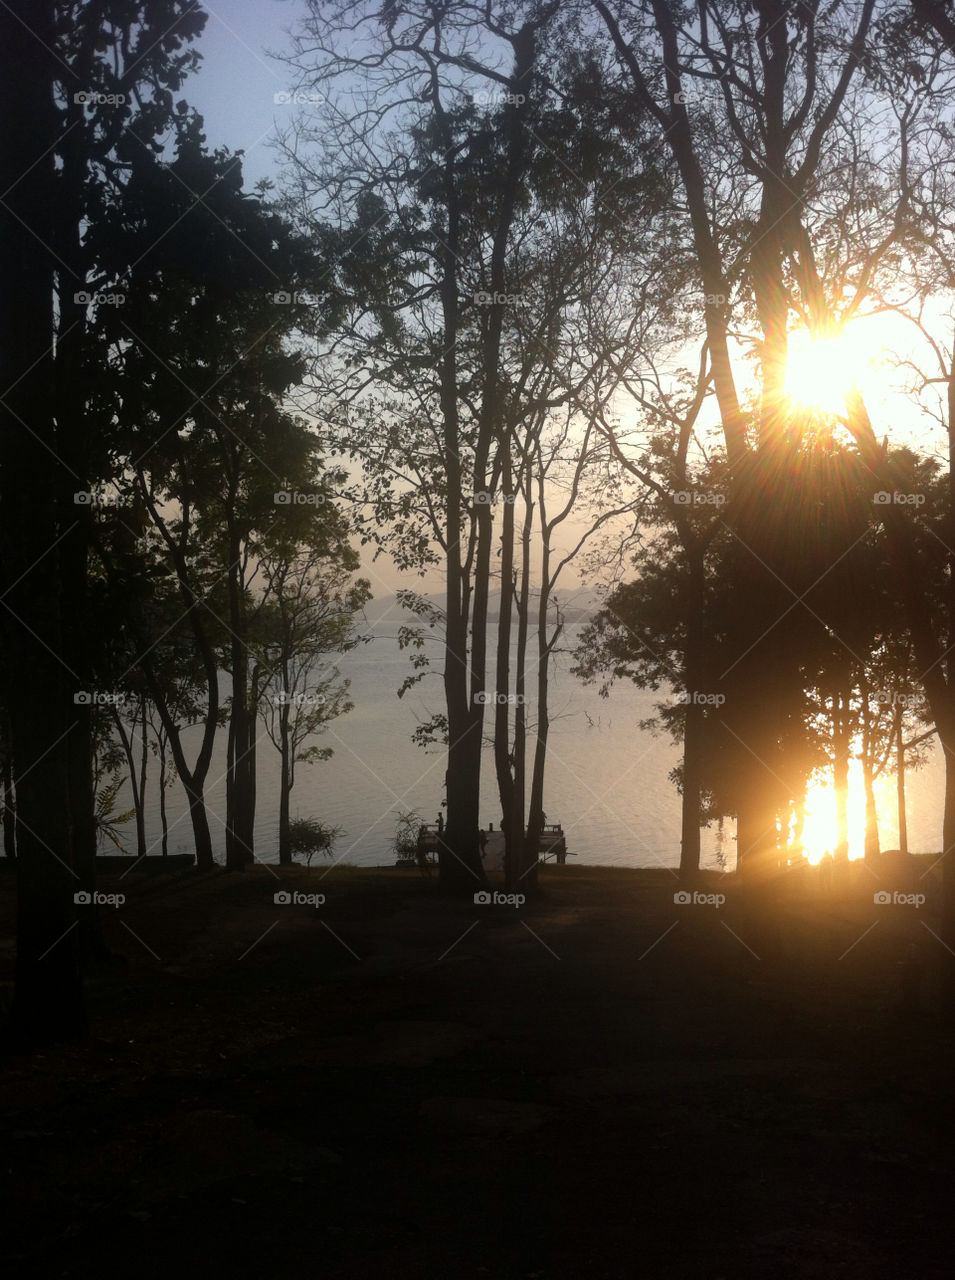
x,y
48,999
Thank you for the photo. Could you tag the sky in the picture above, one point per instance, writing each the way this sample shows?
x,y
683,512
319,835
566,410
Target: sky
x,y
235,86
235,90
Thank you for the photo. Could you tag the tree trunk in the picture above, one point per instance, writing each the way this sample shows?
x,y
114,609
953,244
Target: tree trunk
x,y
200,823
285,787
459,860
255,695
48,997
693,728
840,772
76,520
193,781
163,816
871,815
535,811
9,811
137,777
935,679
948,866
529,851
900,783
141,807
513,839
868,774
239,836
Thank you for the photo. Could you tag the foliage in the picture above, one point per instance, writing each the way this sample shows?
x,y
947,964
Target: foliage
x,y
404,843
309,836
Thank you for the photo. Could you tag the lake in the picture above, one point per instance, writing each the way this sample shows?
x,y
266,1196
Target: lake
x,y
607,780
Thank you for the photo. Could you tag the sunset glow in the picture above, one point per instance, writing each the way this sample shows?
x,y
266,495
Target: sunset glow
x,y
819,831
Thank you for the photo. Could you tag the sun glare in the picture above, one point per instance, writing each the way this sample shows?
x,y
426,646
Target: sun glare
x,y
820,371
819,829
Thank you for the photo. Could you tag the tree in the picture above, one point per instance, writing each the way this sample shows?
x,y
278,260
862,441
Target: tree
x,y
312,604
205,368
765,109
465,257
48,1000
101,88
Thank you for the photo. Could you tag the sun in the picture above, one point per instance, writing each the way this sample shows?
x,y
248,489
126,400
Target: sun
x,y
819,828
820,371
820,825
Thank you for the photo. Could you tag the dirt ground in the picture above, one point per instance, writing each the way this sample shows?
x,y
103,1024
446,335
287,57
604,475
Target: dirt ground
x,y
600,1083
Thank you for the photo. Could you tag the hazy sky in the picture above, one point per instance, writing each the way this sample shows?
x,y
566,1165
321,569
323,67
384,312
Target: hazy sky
x,y
236,84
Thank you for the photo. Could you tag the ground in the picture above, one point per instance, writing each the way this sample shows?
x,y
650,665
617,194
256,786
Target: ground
x,y
601,1083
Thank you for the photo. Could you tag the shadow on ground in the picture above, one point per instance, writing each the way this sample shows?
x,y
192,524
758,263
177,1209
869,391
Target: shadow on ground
x,y
600,1083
